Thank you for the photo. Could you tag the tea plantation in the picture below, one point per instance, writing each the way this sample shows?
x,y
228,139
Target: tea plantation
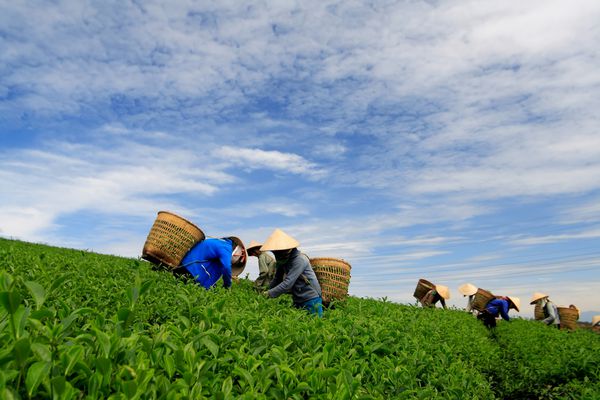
x,y
80,325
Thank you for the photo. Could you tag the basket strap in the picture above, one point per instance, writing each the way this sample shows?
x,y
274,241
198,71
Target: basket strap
x,y
307,281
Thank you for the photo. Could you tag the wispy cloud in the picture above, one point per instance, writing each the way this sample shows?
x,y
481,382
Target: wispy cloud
x,y
587,212
535,240
274,160
129,179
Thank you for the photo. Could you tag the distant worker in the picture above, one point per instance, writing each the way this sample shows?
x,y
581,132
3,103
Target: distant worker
x,y
211,259
468,290
440,293
293,274
498,307
596,322
266,266
573,307
551,316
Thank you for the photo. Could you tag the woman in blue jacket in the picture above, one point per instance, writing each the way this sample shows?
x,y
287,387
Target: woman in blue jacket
x,y
498,307
211,259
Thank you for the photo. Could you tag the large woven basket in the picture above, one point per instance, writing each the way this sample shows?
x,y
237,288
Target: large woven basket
x,y
333,275
538,312
170,238
423,286
482,297
568,317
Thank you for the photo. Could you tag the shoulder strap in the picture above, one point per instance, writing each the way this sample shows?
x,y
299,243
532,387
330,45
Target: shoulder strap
x,y
307,281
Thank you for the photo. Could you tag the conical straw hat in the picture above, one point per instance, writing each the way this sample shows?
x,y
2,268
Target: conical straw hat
x,y
279,240
537,296
253,244
516,302
467,289
595,320
443,291
238,267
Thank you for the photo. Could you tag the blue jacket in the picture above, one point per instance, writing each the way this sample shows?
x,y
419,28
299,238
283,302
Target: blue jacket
x,y
208,260
498,306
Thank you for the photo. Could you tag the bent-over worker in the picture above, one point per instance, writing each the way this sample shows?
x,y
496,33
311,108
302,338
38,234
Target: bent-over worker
x,y
551,316
266,265
468,290
498,307
293,273
211,259
440,293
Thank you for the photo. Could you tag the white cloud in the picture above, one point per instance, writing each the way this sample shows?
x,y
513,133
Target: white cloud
x,y
68,178
535,240
588,212
275,160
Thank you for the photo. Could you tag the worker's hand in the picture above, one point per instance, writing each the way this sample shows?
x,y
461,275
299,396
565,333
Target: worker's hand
x,y
265,294
235,279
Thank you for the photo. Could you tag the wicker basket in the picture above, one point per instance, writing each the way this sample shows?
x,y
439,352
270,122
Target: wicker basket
x,y
423,286
568,317
333,275
170,238
538,312
482,297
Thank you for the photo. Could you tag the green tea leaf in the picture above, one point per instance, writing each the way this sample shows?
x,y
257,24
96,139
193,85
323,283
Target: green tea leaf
x,y
103,342
37,292
129,388
245,374
19,318
10,300
42,351
74,354
58,384
212,346
125,315
22,350
36,373
58,282
227,386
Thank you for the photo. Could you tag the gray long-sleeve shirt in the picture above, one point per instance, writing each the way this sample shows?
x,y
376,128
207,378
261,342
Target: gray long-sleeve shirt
x,y
296,268
551,313
266,268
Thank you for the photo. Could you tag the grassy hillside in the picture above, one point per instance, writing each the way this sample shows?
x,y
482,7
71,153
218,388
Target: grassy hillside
x,y
75,324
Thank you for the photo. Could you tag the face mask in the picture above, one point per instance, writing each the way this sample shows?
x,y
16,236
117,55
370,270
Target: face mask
x,y
237,255
282,255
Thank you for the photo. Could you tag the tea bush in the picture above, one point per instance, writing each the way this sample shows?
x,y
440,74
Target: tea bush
x,y
75,324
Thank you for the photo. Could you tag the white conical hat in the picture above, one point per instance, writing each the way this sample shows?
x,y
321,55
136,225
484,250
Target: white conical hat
x,y
467,289
537,296
443,291
253,244
279,240
516,302
595,320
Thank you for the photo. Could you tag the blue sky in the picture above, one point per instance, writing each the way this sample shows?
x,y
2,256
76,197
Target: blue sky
x,y
454,141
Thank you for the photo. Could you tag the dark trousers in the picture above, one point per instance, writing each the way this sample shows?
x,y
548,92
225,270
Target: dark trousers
x,y
488,319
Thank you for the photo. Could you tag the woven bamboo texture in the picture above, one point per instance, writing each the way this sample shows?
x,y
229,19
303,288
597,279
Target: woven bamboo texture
x,y
568,317
482,297
423,286
170,238
333,275
538,312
